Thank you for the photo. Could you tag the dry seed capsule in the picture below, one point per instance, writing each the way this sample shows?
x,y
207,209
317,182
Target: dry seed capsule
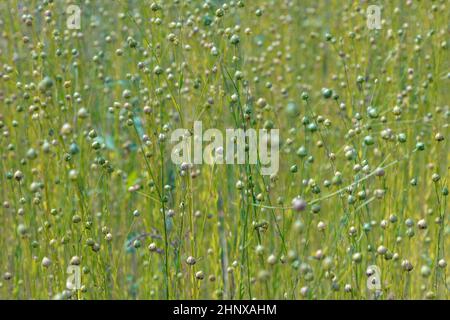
x,y
422,224
199,275
425,271
382,250
152,247
298,204
75,261
357,257
259,250
190,260
407,265
321,226
18,175
46,262
272,259
304,291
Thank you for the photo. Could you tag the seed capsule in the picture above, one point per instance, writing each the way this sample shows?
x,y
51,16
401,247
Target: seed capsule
x,y
272,259
407,265
422,224
199,275
357,257
152,247
382,250
190,260
18,175
46,262
75,261
45,84
425,271
298,204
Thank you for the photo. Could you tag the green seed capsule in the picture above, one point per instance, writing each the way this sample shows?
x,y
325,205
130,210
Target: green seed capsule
x,y
22,230
137,244
305,96
292,109
373,113
315,208
312,127
96,145
401,137
220,13
235,39
357,257
420,146
445,191
327,93
368,140
45,84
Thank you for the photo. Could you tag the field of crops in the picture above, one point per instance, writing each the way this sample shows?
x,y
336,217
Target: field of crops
x,y
351,202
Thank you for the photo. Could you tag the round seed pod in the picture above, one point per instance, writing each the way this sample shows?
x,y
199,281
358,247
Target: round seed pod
x,y
75,261
7,276
18,175
407,265
298,204
190,260
381,250
152,247
199,275
46,262
422,224
304,291
425,271
357,257
272,259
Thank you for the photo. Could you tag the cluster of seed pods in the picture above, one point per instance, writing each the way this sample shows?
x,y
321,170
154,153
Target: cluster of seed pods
x,y
93,207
